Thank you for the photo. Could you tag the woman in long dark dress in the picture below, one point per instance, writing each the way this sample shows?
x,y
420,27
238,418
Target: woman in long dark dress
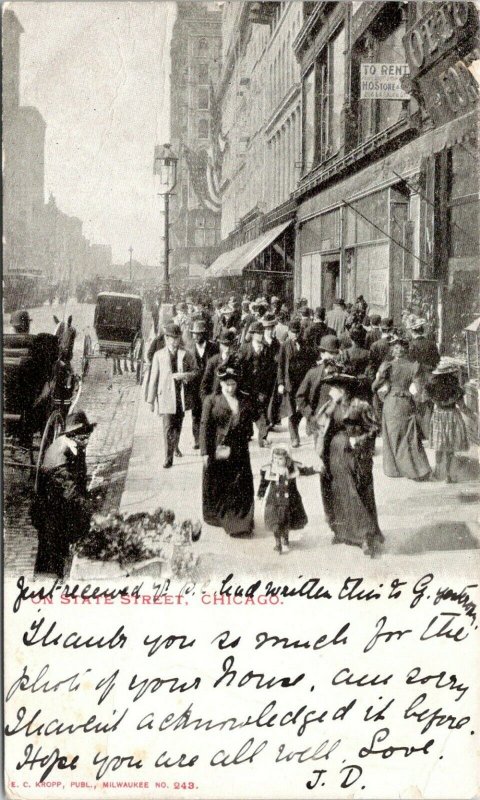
x,y
225,429
345,445
403,452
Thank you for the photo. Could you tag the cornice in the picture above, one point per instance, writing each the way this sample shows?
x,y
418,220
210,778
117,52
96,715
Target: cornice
x,y
277,113
322,174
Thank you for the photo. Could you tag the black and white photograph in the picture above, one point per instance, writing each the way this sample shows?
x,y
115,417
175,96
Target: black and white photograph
x,y
240,287
241,302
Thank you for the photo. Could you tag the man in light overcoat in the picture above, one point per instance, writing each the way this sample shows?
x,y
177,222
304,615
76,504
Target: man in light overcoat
x,y
173,369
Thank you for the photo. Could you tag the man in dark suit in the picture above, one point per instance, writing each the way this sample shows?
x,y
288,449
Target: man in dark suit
x,y
312,393
258,373
356,357
210,383
202,350
380,350
272,347
337,316
295,360
422,349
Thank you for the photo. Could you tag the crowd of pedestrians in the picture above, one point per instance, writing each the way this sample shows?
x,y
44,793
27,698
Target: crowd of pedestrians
x,y
244,365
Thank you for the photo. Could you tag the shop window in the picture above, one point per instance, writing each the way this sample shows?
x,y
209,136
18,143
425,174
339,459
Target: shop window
x,y
383,43
203,128
203,73
463,207
203,99
323,99
372,215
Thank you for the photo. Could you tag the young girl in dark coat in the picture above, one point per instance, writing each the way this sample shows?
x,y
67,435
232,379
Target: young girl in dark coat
x,y
284,509
448,434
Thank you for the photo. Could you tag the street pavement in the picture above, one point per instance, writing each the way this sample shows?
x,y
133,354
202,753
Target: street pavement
x,y
428,526
111,402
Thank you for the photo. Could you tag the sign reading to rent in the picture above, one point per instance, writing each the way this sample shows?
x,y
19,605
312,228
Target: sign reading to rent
x,y
382,81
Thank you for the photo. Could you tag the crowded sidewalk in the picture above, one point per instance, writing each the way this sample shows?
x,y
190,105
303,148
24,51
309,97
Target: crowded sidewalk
x,y
428,526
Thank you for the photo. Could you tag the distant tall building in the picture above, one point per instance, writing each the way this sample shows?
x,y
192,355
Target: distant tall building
x,y
194,127
24,161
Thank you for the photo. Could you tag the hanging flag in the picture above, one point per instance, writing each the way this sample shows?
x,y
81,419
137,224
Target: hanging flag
x,y
198,167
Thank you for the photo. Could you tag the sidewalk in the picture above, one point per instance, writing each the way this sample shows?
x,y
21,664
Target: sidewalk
x,y
427,526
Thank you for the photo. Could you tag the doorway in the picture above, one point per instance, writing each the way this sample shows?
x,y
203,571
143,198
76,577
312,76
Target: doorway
x,y
331,280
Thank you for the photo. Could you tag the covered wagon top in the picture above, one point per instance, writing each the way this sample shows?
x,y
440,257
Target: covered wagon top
x,y
119,294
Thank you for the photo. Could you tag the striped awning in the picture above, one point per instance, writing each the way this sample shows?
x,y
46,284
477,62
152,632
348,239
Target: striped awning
x,y
234,261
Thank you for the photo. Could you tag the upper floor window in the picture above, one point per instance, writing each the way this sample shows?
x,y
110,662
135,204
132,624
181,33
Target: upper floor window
x,y
203,128
381,44
203,73
202,45
203,99
323,99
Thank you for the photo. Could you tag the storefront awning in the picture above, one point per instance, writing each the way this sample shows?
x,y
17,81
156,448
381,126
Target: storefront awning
x,y
234,262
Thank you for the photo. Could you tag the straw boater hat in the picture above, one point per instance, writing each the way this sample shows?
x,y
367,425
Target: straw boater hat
x,y
397,338
445,368
418,323
269,321
228,373
343,380
256,327
199,326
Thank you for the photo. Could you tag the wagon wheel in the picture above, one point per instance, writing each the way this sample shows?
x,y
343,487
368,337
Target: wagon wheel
x,y
54,427
87,352
77,390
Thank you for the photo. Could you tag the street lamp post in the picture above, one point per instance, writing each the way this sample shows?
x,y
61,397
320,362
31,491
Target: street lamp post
x,y
165,173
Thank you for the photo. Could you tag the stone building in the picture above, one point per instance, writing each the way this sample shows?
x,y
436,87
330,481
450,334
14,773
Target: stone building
x,y
24,162
260,100
195,204
386,204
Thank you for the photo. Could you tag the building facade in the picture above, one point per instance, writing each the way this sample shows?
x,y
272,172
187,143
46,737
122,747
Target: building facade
x,y
41,244
260,100
386,205
195,206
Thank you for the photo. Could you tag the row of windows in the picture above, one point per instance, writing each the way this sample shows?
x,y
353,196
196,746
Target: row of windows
x,y
283,160
324,90
284,67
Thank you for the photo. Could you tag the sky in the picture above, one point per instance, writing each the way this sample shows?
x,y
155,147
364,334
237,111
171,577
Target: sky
x,y
99,74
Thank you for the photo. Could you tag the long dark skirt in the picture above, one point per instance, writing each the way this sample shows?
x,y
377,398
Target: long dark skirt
x,y
403,452
228,496
348,496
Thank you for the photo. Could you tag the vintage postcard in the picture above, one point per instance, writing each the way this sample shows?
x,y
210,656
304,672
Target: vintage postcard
x,y
240,400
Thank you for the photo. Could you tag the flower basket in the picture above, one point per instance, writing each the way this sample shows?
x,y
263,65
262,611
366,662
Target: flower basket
x,y
119,545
